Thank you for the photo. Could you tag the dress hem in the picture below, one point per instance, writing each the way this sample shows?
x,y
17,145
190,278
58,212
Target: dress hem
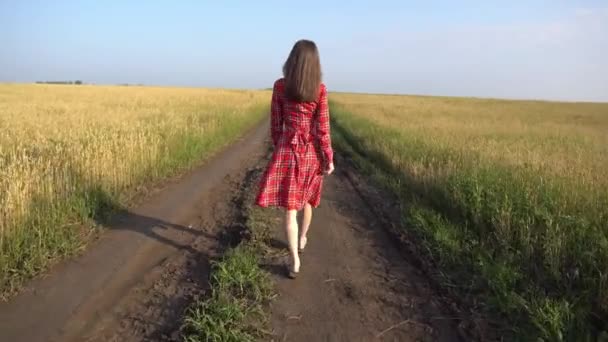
x,y
284,206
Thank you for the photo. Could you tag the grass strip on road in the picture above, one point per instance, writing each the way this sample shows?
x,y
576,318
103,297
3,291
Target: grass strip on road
x,y
236,309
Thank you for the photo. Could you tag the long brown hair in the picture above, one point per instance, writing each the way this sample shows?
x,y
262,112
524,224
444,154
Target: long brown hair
x,y
302,72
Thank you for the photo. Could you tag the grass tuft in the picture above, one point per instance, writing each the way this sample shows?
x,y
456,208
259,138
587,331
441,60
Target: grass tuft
x,y
235,310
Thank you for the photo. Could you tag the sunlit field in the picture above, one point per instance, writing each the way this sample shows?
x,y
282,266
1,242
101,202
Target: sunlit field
x,y
509,198
70,154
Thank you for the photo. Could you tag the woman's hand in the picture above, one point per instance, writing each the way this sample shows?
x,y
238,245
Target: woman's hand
x,y
330,169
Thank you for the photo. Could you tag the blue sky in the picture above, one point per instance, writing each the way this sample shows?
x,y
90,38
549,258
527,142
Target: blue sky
x,y
514,49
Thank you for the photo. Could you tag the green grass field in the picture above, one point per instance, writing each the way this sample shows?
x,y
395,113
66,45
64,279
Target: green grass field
x,y
70,154
509,198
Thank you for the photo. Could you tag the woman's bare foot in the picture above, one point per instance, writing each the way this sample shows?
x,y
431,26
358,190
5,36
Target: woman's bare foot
x,y
294,269
303,241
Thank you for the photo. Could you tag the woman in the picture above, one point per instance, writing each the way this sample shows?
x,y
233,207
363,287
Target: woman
x,y
302,145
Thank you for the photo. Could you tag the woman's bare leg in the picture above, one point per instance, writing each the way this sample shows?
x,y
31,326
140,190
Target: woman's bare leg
x,y
291,228
306,219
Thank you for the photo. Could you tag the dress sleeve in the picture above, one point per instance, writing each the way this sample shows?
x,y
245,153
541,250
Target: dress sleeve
x,y
276,116
323,130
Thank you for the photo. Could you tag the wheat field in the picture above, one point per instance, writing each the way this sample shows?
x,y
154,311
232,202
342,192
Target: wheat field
x,y
68,154
510,198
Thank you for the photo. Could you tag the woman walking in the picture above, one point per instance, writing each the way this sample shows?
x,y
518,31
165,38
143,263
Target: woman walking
x,y
302,145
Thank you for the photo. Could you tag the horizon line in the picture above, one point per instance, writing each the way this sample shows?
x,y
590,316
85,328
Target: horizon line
x,y
124,84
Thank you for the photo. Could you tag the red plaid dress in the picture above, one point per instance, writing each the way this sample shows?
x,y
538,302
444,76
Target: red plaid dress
x,y
302,149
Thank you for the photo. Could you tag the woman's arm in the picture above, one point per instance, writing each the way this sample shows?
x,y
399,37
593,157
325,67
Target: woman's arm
x,y
323,130
276,116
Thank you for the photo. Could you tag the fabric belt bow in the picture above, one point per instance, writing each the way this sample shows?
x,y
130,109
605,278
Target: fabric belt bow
x,y
300,139
299,142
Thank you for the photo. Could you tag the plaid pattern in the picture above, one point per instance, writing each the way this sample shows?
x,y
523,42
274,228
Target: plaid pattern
x,y
302,149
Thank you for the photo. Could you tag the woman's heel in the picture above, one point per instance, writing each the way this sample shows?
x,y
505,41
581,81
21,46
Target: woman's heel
x,y
293,271
302,244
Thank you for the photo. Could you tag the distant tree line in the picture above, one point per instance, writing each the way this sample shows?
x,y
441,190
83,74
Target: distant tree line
x,y
77,82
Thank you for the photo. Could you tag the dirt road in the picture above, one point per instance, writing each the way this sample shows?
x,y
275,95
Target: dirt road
x,y
134,283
